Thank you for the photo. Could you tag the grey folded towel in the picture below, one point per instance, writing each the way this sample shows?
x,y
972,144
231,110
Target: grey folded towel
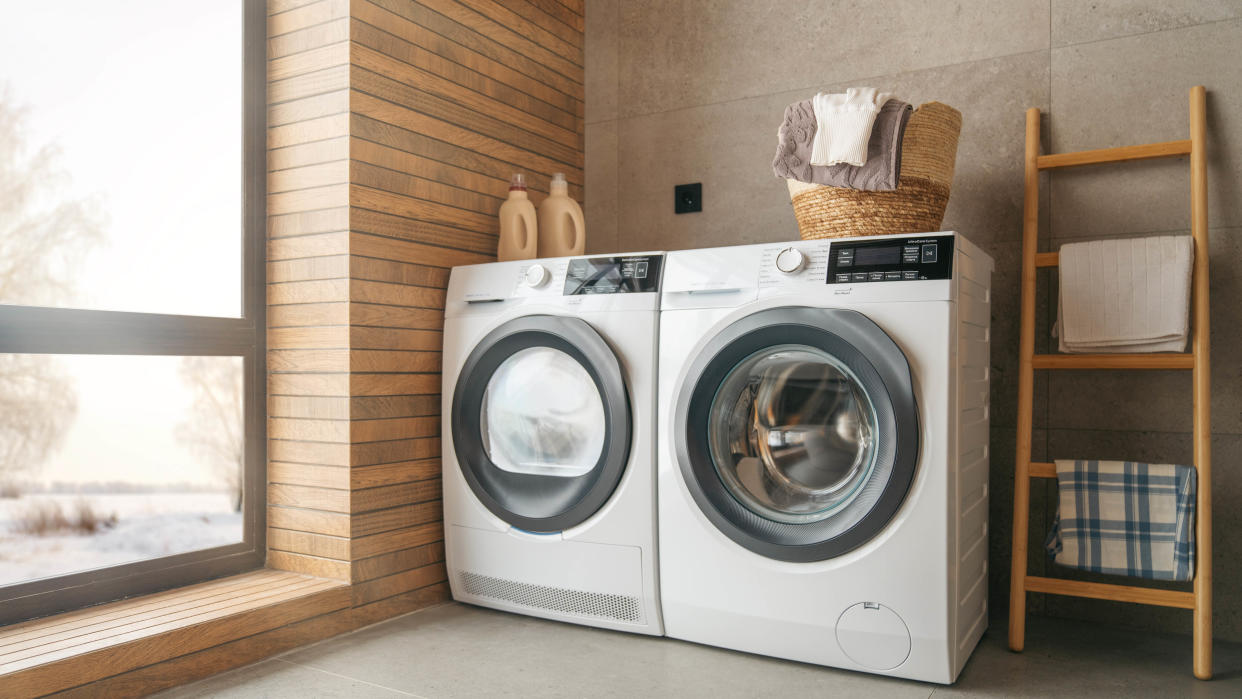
x,y
883,166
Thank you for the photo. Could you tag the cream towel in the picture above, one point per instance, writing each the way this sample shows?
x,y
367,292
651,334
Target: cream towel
x,y
843,125
1130,295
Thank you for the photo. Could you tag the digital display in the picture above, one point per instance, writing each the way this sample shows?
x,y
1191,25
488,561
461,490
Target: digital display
x,y
906,259
877,256
613,275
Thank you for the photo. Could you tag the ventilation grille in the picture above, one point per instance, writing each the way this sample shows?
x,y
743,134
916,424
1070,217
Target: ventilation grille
x,y
556,599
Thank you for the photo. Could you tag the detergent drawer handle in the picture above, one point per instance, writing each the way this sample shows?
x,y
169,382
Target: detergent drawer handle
x,y
700,292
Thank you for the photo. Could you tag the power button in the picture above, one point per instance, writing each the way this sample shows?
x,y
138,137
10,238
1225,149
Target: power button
x,y
929,252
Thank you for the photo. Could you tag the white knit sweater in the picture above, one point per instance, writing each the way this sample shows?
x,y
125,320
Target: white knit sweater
x,y
843,125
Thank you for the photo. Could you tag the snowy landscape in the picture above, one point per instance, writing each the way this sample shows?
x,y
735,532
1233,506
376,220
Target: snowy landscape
x,y
108,459
147,525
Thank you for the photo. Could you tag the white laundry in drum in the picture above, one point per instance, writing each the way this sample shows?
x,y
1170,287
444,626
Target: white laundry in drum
x,y
543,415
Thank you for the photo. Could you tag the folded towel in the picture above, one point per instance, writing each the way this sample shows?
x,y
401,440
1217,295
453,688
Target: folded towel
x,y
1125,518
883,166
1129,295
843,125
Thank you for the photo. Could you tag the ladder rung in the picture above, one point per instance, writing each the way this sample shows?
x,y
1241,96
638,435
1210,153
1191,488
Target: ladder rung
x,y
1180,360
1117,593
1168,149
1041,469
1047,259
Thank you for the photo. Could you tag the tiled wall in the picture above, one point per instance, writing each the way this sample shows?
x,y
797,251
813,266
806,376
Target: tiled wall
x,y
693,91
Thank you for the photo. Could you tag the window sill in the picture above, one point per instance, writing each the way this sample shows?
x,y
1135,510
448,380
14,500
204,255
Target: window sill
x,y
73,649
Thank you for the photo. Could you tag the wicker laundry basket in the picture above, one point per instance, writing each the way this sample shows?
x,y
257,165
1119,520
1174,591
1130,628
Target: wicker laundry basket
x,y
928,152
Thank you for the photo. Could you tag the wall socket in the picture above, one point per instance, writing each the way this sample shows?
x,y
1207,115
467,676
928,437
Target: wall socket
x,y
688,198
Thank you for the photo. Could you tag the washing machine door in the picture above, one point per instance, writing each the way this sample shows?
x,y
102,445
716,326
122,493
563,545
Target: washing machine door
x,y
797,433
541,422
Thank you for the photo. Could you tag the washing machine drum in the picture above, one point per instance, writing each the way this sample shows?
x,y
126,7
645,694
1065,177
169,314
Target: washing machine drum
x,y
541,422
797,432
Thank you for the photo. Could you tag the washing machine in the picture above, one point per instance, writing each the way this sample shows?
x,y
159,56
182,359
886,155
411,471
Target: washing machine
x,y
823,451
549,438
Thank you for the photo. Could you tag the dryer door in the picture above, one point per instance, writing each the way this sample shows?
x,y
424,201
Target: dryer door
x,y
541,422
797,432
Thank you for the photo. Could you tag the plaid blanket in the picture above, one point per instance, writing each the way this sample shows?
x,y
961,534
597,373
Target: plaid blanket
x,y
1125,518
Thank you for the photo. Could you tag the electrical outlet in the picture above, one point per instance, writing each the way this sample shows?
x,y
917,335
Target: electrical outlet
x,y
688,198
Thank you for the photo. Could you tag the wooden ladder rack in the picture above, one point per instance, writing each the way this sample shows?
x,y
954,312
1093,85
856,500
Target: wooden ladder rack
x,y
1200,600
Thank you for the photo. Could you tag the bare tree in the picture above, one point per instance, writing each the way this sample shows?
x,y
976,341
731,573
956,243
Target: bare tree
x,y
215,429
43,235
37,401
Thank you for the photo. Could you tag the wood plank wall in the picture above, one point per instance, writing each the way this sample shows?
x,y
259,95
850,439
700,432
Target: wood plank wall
x,y
447,99
309,494
394,126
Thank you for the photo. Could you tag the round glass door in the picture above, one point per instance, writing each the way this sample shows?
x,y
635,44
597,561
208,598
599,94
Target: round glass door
x,y
792,434
542,414
797,433
540,422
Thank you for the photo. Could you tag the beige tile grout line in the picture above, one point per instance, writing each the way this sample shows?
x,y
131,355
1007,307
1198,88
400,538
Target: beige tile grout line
x,y
1136,34
1047,386
803,88
1047,50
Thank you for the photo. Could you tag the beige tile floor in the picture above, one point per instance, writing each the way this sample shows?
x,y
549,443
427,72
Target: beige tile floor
x,y
461,651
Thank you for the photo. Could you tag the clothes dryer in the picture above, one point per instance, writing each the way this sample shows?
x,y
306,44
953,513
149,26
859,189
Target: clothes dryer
x,y
549,438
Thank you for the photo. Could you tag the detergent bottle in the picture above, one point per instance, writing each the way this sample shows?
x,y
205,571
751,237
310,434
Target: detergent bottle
x,y
562,231
519,234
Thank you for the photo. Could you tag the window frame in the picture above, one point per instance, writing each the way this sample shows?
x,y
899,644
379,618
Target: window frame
x,y
47,330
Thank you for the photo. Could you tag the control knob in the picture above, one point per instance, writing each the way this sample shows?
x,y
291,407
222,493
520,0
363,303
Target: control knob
x,y
790,260
536,276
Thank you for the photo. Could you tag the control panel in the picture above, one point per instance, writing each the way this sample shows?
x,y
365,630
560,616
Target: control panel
x,y
626,274
802,263
891,260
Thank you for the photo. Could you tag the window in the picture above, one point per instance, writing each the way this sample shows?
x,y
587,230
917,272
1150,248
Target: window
x,y
132,167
